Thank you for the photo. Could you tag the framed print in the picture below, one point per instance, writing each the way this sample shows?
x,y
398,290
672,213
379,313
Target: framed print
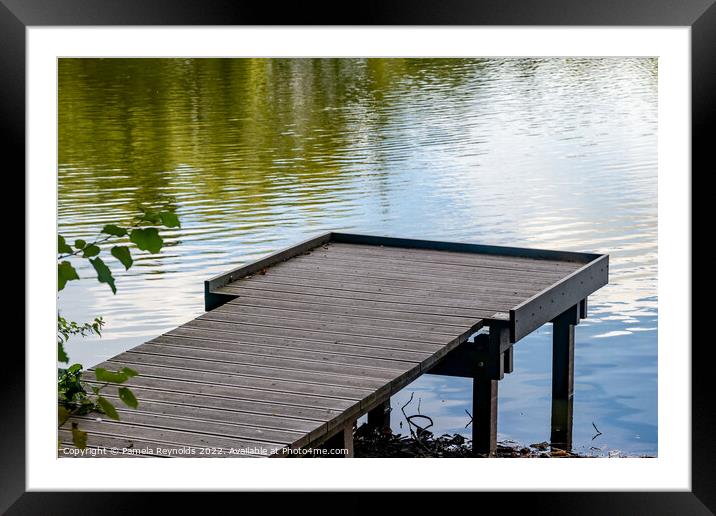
x,y
451,245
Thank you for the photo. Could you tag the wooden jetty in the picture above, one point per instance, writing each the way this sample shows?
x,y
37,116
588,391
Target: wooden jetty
x,y
293,348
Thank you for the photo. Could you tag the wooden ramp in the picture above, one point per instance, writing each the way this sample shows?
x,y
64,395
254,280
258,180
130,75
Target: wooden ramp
x,y
295,347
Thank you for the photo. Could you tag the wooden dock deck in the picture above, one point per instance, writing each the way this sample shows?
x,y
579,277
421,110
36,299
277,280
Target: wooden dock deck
x,y
295,347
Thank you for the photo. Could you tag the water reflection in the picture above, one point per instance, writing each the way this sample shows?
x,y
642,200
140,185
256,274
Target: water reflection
x,y
255,154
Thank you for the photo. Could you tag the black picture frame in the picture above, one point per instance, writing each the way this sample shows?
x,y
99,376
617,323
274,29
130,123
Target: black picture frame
x,y
700,15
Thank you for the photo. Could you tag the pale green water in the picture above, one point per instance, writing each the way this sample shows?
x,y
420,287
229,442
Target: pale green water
x,y
257,154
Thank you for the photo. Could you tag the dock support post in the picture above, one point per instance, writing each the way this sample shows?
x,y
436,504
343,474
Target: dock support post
x,y
379,417
484,417
563,376
343,439
484,390
562,416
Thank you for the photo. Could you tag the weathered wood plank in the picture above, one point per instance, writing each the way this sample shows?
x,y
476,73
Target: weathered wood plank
x,y
501,291
473,266
314,355
459,247
237,312
428,344
366,311
409,272
338,352
332,324
422,300
346,300
244,419
249,370
392,272
312,403
231,405
210,285
379,373
256,383
407,290
443,257
469,252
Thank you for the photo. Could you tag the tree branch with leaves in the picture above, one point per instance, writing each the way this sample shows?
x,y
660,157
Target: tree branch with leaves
x,y
76,395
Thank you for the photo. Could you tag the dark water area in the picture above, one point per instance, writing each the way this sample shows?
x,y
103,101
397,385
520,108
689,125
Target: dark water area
x,y
256,154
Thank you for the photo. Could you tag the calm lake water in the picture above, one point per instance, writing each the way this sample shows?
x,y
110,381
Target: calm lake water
x,y
256,154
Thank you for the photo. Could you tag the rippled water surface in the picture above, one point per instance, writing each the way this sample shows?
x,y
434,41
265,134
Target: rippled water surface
x,y
256,154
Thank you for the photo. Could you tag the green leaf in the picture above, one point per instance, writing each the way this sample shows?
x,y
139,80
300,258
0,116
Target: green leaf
x,y
63,415
127,397
61,355
62,246
147,239
97,326
104,275
169,219
152,216
111,229
90,251
65,272
121,253
80,244
129,372
103,375
108,408
79,438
